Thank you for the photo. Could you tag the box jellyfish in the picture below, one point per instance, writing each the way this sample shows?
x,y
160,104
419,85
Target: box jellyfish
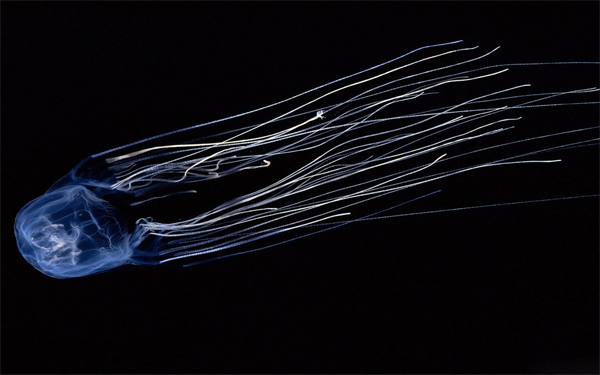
x,y
427,115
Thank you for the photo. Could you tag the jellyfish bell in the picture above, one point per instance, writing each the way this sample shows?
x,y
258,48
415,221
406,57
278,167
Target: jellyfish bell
x,y
77,228
340,145
70,232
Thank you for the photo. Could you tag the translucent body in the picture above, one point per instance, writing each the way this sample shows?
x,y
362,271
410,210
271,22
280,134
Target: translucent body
x,y
348,142
70,232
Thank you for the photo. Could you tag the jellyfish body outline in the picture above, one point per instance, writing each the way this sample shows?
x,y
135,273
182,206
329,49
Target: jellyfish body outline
x,y
76,230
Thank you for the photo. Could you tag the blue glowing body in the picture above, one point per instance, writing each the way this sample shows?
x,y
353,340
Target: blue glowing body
x,y
70,232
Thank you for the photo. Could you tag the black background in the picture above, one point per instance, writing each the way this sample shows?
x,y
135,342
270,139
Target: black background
x,y
507,289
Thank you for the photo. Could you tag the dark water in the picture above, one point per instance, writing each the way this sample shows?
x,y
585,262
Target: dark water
x,y
509,289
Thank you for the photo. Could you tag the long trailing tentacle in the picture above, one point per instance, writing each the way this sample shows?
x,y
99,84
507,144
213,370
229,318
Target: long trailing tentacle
x,y
358,140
